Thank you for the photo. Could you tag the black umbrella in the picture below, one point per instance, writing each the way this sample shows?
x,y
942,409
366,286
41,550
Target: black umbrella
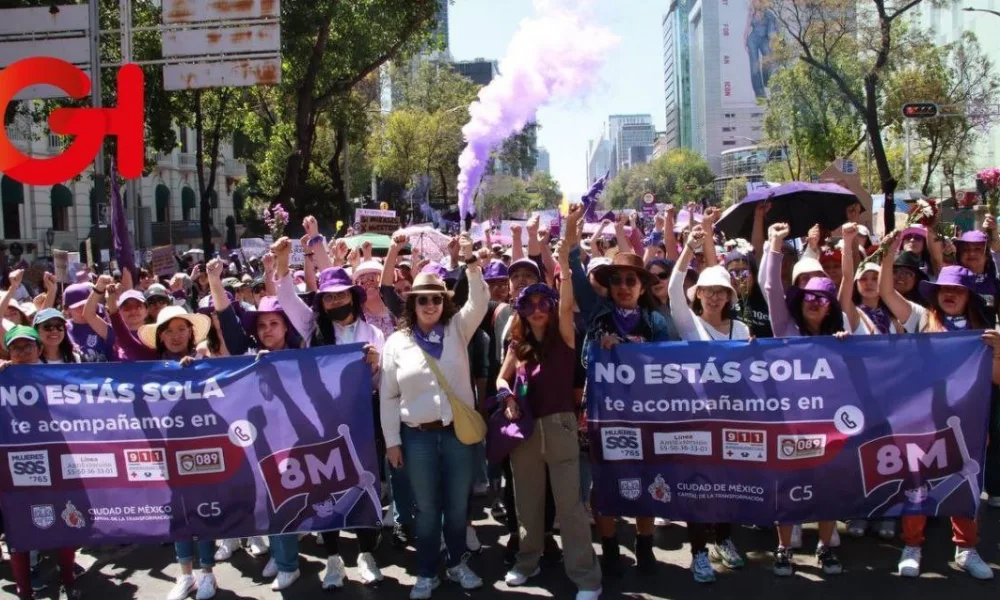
x,y
798,203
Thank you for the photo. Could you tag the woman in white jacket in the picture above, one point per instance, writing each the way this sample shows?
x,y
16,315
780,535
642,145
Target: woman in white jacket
x,y
417,418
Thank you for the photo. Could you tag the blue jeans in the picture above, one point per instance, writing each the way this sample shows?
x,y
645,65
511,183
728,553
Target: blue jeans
x,y
439,468
206,552
285,552
402,498
479,464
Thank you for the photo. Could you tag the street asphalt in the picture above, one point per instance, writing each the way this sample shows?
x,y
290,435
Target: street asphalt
x,y
148,572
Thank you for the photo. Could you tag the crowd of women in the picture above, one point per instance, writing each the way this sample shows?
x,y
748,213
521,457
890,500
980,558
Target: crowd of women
x,y
504,330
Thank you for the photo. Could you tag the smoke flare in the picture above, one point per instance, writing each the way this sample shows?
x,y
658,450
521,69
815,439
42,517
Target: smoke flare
x,y
554,55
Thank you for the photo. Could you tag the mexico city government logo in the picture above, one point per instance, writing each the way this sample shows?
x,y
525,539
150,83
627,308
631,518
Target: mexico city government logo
x,y
89,126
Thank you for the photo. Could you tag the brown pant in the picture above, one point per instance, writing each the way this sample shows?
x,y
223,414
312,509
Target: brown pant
x,y
554,443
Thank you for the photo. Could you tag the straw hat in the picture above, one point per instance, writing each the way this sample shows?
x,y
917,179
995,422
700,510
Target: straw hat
x,y
430,283
199,323
624,261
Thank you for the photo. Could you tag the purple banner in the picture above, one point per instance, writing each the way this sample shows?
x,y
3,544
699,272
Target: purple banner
x,y
790,431
98,454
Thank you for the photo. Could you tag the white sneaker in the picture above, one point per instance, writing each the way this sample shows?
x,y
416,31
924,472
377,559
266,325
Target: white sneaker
x,y
270,569
226,549
993,501
368,569
796,542
285,580
206,587
909,562
701,568
464,576
423,588
335,573
727,554
515,578
968,560
183,588
661,522
258,546
472,540
588,594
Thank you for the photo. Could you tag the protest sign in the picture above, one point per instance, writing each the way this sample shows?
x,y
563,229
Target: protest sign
x,y
162,261
383,222
60,264
254,247
790,431
297,257
97,454
505,229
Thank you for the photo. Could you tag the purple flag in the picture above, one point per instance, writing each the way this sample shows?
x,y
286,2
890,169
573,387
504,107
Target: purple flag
x,y
590,199
119,229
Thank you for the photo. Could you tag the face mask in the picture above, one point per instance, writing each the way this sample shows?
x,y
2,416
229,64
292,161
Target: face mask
x,y
341,312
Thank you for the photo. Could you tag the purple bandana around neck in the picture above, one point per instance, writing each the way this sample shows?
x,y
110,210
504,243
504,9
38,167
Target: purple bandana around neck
x,y
432,343
626,320
955,323
879,316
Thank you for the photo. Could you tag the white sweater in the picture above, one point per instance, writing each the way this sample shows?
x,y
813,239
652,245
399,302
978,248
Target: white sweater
x,y
409,393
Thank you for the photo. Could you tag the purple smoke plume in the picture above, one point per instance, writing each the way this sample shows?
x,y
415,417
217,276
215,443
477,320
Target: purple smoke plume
x,y
554,55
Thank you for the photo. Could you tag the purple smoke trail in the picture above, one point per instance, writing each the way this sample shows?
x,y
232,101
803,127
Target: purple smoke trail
x,y
554,55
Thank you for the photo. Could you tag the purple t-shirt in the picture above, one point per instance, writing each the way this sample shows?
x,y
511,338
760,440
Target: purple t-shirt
x,y
93,348
550,385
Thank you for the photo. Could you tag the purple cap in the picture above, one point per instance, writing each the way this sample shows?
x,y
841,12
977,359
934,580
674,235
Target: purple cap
x,y
206,305
950,276
268,304
525,263
132,295
82,276
972,237
435,269
533,289
76,295
495,270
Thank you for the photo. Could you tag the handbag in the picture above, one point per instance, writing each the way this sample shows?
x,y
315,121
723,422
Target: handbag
x,y
470,428
504,435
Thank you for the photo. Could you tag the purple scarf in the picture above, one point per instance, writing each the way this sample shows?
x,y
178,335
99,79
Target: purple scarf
x,y
955,323
879,317
626,320
431,343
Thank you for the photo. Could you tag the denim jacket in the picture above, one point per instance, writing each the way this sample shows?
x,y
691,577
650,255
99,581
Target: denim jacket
x,y
594,307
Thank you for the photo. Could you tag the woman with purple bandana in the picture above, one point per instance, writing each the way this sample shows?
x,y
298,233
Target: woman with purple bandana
x,y
801,311
336,317
417,417
627,315
93,336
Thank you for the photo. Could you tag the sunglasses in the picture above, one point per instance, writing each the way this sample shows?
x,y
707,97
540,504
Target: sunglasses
x,y
816,299
425,300
157,302
530,307
739,273
714,292
904,273
58,326
663,275
22,348
627,280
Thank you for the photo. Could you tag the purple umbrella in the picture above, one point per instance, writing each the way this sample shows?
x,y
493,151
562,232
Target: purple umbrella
x,y
798,203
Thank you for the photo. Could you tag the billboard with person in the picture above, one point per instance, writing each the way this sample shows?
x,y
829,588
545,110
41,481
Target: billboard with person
x,y
746,31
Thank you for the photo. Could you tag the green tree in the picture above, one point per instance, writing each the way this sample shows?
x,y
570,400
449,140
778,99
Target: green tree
x,y
850,42
679,176
519,153
544,191
736,190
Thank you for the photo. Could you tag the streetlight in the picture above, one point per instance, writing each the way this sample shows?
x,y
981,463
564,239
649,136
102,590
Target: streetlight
x,y
985,10
50,238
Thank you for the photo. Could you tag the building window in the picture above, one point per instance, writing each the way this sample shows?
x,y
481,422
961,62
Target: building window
x,y
188,204
61,199
729,143
728,129
11,197
238,207
162,203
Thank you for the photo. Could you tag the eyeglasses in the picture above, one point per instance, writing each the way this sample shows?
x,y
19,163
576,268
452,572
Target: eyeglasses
x,y
57,326
627,281
425,300
22,348
904,273
739,273
152,302
714,291
336,296
816,299
530,307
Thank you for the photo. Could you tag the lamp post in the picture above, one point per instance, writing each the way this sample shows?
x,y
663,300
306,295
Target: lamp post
x,y
50,238
984,10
